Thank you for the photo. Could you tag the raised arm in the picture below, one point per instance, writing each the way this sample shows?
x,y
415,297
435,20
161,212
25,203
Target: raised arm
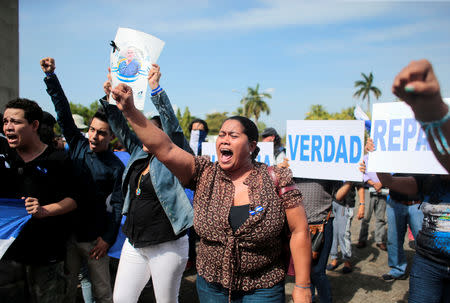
x,y
418,86
59,99
170,124
180,162
119,126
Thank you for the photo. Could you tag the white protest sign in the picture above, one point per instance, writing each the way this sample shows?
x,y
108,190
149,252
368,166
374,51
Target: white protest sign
x,y
401,145
265,154
132,60
325,149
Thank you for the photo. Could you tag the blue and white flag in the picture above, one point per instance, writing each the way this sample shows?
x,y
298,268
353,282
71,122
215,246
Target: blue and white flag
x,y
13,216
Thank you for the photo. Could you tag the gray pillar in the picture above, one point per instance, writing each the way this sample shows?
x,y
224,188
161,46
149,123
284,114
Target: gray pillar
x,y
9,51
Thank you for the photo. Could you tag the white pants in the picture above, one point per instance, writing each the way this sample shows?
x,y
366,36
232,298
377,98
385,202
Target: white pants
x,y
164,262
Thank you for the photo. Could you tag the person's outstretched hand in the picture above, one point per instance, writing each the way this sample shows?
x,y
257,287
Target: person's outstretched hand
x,y
123,94
153,76
418,86
48,65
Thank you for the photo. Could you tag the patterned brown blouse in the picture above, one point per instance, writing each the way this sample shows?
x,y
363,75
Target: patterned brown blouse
x,y
250,258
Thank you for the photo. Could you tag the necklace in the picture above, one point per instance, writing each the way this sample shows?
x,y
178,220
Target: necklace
x,y
138,189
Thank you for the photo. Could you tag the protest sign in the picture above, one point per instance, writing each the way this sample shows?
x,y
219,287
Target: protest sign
x,y
401,145
131,61
13,216
265,154
325,149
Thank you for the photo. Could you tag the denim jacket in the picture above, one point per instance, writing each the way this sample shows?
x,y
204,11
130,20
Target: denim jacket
x,y
167,187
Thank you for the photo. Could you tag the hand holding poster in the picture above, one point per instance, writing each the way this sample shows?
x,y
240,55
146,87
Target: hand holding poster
x,y
132,59
401,145
265,154
325,149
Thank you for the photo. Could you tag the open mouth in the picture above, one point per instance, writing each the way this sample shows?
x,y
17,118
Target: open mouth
x,y
225,155
11,137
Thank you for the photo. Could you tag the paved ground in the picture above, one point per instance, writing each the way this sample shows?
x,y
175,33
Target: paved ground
x,y
362,285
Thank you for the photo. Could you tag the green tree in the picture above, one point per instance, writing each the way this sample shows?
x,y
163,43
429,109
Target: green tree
x,y
254,104
87,112
317,112
185,121
215,121
365,87
345,114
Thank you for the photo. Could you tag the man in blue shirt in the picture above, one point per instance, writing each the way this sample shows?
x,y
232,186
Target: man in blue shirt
x,y
101,171
130,66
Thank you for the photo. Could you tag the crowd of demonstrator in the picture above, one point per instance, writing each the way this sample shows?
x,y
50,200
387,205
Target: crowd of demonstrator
x,y
254,223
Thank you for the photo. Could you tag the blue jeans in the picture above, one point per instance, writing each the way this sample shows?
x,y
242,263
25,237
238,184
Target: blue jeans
x,y
342,222
398,215
216,293
429,281
319,278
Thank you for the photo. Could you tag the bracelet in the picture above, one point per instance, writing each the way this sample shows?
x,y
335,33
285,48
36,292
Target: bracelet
x,y
361,203
48,74
303,287
443,147
156,90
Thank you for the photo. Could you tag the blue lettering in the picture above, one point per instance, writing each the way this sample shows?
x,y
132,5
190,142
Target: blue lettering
x,y
213,158
267,160
316,144
293,151
422,141
341,150
379,130
328,157
394,133
353,140
303,147
410,127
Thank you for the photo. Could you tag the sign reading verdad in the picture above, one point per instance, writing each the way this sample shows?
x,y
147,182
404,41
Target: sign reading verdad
x,y
326,149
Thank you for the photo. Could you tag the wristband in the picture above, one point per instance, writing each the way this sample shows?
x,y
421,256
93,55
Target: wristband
x,y
361,203
156,90
303,287
48,74
428,127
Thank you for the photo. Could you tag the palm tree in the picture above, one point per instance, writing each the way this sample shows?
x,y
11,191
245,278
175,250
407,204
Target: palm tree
x,y
365,88
254,104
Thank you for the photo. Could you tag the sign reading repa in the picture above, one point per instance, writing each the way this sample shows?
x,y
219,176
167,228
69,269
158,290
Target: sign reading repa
x,y
265,154
401,145
326,149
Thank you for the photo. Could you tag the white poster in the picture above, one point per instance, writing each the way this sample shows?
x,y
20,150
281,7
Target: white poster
x,y
325,149
401,145
131,61
265,154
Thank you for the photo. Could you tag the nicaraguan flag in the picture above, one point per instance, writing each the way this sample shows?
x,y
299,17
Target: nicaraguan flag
x,y
13,216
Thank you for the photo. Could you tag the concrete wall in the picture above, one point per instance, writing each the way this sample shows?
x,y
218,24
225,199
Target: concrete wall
x,y
9,51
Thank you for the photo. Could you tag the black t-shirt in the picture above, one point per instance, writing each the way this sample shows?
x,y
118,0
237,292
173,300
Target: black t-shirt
x,y
405,198
146,223
50,179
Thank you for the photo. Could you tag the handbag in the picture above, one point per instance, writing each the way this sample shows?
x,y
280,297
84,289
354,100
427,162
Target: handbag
x,y
317,236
